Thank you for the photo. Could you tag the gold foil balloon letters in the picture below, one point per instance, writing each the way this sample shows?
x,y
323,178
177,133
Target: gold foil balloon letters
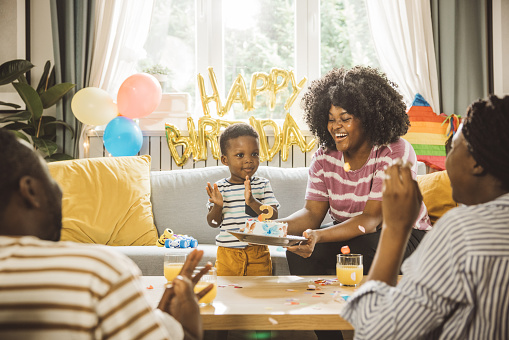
x,y
275,82
209,128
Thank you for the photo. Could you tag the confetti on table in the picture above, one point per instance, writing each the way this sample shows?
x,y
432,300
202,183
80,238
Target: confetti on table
x,y
311,286
320,293
273,321
347,167
361,228
316,296
150,287
221,286
294,303
291,290
237,287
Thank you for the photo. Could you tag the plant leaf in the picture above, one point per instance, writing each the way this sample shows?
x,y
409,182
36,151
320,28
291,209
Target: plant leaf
x,y
22,79
61,122
54,94
31,99
59,157
45,146
23,115
41,87
16,106
21,135
11,70
16,126
52,80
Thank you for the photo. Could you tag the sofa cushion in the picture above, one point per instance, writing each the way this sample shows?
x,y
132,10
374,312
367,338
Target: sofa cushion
x,y
106,200
436,193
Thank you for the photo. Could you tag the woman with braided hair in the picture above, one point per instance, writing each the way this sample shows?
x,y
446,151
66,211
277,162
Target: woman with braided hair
x,y
358,117
456,284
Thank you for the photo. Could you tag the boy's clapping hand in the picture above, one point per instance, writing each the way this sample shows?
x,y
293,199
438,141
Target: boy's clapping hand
x,y
248,194
214,194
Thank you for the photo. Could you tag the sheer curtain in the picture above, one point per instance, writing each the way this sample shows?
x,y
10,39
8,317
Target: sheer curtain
x,y
403,38
121,28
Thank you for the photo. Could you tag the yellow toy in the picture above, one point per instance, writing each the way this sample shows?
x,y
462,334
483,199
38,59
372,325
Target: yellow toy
x,y
168,234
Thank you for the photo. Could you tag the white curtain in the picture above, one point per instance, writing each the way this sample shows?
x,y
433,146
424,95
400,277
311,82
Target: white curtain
x,y
121,28
403,38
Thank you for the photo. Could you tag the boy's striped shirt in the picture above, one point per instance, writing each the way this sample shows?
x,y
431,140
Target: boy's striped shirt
x,y
234,207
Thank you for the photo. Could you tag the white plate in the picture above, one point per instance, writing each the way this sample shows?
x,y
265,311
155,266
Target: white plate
x,y
290,240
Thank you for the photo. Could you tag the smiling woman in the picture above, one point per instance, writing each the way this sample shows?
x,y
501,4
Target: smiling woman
x,y
358,117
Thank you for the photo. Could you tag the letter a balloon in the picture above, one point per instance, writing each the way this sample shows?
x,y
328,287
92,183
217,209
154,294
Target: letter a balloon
x,y
122,137
139,95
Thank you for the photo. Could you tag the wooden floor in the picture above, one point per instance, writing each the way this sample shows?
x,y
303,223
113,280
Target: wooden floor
x,y
272,335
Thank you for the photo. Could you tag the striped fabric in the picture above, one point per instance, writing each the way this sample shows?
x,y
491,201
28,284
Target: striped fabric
x,y
65,290
454,286
427,133
348,192
234,207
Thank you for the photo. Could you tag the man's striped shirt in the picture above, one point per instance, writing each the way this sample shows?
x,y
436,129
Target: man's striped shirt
x,y
66,290
454,286
234,207
348,191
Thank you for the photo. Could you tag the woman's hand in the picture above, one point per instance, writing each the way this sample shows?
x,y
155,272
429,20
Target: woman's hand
x,y
181,302
214,195
402,198
305,248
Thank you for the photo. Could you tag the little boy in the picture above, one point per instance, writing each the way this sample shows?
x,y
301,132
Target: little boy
x,y
233,200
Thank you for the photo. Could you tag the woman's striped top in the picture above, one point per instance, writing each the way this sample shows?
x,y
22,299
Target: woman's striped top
x,y
454,286
65,290
348,191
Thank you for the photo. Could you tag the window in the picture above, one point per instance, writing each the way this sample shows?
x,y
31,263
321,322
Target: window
x,y
247,36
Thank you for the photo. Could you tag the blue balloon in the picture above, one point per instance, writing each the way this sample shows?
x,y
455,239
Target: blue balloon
x,y
122,137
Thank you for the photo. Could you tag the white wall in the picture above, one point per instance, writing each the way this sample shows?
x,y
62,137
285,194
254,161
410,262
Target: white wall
x,y
41,41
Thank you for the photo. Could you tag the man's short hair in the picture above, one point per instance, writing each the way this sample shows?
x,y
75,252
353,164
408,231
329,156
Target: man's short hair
x,y
17,159
234,131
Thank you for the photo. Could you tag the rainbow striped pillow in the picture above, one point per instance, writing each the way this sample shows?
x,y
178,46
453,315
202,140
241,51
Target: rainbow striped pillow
x,y
427,134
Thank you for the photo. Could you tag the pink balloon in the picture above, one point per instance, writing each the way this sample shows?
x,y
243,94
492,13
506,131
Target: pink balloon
x,y
139,95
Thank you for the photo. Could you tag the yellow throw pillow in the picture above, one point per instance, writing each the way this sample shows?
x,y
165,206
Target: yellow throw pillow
x,y
436,194
106,200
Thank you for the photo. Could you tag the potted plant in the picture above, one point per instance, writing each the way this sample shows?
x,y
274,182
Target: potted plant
x,y
31,124
160,72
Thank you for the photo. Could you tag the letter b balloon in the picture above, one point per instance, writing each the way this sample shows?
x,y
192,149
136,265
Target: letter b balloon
x,y
139,95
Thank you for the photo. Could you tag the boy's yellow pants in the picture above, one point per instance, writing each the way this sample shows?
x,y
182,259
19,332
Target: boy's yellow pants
x,y
253,260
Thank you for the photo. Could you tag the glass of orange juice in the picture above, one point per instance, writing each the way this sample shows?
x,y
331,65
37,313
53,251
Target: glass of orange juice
x,y
208,278
349,269
173,265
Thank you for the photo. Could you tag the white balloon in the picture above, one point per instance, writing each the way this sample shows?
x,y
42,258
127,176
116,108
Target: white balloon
x,y
93,106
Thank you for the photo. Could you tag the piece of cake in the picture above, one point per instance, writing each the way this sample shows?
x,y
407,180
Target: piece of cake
x,y
266,228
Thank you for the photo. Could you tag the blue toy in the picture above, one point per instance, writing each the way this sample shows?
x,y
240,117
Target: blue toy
x,y
181,241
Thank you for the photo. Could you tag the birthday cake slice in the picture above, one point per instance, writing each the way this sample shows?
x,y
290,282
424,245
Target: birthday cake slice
x,y
266,228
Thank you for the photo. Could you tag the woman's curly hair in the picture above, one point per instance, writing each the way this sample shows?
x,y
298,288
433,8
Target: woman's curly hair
x,y
363,92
